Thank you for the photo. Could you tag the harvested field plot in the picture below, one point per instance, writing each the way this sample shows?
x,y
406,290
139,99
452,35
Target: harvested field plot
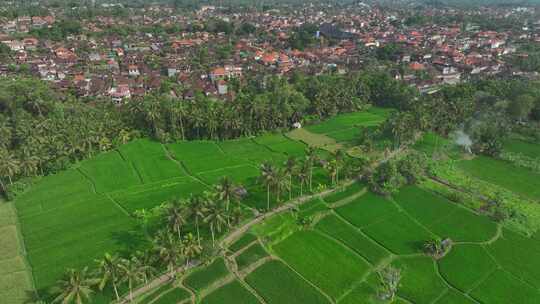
x,y
309,252
344,232
310,138
229,294
517,179
466,265
204,277
276,283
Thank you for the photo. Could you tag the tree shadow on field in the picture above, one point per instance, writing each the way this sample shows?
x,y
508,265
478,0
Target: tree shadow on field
x,y
129,241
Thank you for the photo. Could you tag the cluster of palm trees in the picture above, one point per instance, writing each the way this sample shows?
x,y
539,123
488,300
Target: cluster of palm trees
x,y
171,246
282,179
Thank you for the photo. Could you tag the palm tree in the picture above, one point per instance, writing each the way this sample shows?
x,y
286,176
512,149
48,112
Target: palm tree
x,y
267,178
197,211
225,191
131,274
331,166
109,271
311,158
290,166
9,166
175,217
75,287
216,218
192,248
280,181
168,249
303,174
144,260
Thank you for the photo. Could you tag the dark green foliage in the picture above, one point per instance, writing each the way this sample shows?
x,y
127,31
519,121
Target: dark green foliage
x,y
251,255
386,178
242,242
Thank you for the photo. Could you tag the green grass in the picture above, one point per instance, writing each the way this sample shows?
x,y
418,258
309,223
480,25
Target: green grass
x,y
280,143
310,138
504,174
399,233
526,148
366,210
242,174
311,208
248,149
420,282
339,230
502,288
276,283
243,241
175,295
466,265
109,172
309,252
515,253
344,193
443,217
207,275
155,294
346,121
15,278
431,143
251,255
149,196
454,297
231,293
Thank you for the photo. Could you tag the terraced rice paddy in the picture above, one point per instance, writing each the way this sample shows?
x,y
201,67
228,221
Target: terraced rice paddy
x,y
71,218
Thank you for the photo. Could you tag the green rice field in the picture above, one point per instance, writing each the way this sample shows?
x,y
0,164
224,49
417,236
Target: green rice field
x,y
69,219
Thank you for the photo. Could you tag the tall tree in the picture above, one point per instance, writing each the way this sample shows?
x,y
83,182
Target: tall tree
x,y
191,248
131,274
311,158
216,218
109,272
290,167
267,178
74,287
197,211
168,249
175,217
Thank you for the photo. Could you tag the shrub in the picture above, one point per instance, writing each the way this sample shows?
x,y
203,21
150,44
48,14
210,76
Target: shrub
x,y
386,179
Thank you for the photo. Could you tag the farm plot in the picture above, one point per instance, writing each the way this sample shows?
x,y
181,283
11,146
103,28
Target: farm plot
x,y
431,143
520,180
233,292
513,253
366,210
455,297
53,191
420,282
109,172
313,139
242,242
308,252
345,233
501,288
372,117
282,144
276,283
150,161
244,174
15,277
399,233
151,195
444,218
343,193
251,255
174,295
526,148
204,277
250,150
466,265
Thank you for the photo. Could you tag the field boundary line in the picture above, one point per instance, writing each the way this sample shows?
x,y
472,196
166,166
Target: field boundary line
x,y
241,277
329,237
124,210
347,200
22,248
182,166
91,181
449,285
131,164
245,248
359,230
